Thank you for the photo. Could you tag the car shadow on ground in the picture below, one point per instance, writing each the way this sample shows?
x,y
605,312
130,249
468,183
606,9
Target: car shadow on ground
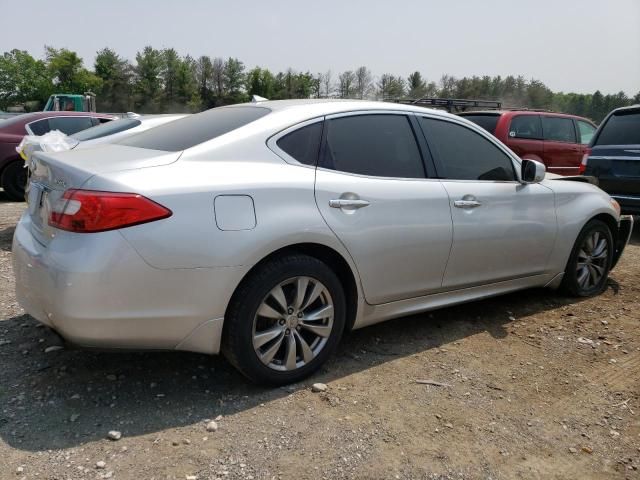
x,y
67,398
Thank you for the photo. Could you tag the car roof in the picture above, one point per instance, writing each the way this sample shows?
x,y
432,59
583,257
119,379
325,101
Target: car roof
x,y
628,108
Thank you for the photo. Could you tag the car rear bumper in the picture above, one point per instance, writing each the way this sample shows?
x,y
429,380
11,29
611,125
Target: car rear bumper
x,y
629,204
96,291
625,229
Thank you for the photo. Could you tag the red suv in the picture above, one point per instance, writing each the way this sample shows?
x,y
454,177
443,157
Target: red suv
x,y
555,139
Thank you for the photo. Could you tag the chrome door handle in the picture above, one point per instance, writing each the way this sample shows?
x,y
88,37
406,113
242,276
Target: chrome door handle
x,y
466,203
347,203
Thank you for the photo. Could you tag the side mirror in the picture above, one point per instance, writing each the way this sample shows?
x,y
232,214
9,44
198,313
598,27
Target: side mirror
x,y
532,171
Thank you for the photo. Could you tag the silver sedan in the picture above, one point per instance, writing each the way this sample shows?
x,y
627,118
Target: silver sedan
x,y
266,230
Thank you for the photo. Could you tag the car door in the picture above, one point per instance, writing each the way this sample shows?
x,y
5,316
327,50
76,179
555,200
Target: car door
x,y
561,149
502,229
374,194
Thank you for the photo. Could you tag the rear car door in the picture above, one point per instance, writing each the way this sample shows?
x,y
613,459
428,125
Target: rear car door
x,y
372,190
562,151
502,229
524,137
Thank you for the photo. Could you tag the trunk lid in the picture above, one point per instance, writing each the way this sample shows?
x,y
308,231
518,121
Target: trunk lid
x,y
53,173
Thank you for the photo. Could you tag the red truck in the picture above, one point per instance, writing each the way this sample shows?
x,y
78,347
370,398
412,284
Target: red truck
x,y
555,139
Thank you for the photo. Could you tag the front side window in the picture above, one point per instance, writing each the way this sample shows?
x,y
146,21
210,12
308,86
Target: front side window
x,y
70,125
40,127
465,154
379,145
586,131
558,129
303,144
526,126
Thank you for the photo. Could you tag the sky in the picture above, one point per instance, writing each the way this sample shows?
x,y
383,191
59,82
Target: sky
x,y
571,45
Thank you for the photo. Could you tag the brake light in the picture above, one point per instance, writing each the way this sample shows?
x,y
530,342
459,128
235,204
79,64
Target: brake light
x,y
89,211
585,158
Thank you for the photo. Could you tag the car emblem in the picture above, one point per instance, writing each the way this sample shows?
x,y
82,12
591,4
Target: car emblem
x,y
60,183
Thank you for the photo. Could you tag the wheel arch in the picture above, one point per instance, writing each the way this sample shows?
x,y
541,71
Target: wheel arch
x,y
328,255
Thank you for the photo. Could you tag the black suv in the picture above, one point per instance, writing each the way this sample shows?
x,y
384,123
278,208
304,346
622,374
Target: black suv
x,y
614,157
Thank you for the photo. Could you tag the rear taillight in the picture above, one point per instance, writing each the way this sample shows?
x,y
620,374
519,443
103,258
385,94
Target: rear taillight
x,y
88,211
585,159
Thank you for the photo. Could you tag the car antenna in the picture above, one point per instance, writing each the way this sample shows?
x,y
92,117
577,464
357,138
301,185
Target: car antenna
x,y
258,98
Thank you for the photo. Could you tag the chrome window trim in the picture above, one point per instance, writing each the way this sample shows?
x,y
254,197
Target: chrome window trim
x,y
272,141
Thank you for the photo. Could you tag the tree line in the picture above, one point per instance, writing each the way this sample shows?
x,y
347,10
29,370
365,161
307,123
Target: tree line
x,y
162,81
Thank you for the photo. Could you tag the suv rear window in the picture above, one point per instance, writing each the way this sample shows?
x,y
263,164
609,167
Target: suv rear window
x,y
622,128
488,121
195,129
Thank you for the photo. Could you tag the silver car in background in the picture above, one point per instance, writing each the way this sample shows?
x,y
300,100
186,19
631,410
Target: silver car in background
x,y
266,230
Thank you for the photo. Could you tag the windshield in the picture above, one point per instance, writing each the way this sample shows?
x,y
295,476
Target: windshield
x,y
195,129
108,128
622,128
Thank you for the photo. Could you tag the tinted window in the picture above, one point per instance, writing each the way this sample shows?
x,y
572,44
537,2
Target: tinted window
x,y
70,125
40,127
105,129
195,129
586,131
374,145
303,144
466,155
486,121
623,128
558,129
526,126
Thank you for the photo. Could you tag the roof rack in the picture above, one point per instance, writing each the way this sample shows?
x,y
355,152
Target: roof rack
x,y
452,105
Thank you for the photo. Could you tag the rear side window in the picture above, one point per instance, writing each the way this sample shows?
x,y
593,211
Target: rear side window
x,y
108,128
558,129
526,126
466,155
40,127
585,132
373,145
70,125
195,129
303,144
486,121
622,128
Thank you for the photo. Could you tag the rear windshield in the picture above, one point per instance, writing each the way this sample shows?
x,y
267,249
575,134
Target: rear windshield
x,y
486,121
622,128
105,129
195,129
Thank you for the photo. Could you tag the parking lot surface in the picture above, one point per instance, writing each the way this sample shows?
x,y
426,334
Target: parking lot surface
x,y
529,385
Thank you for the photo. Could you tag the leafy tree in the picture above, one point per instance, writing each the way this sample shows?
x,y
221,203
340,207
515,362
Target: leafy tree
x,y
260,82
417,87
68,73
204,79
148,83
116,75
168,73
347,80
233,81
391,87
23,79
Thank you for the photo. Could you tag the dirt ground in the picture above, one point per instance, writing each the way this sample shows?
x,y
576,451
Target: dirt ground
x,y
536,385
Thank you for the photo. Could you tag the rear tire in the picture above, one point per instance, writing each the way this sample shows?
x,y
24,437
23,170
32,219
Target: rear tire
x,y
590,261
14,180
273,334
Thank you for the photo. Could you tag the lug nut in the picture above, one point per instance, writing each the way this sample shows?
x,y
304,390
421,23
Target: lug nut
x,y
287,331
290,310
281,322
299,314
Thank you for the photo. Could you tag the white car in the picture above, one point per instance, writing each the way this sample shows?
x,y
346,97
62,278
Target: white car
x,y
266,230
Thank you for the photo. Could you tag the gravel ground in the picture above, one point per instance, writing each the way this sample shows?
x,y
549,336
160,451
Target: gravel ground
x,y
529,385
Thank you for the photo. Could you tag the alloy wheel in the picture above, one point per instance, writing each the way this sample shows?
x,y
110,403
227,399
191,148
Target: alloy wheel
x,y
293,323
592,260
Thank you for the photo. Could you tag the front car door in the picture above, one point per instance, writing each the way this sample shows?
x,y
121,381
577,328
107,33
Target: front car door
x,y
561,148
372,190
502,229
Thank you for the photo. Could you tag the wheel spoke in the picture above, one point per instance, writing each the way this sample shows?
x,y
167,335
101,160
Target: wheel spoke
x,y
307,354
319,314
598,269
318,288
259,339
582,255
267,356
278,294
268,312
593,275
320,330
301,290
589,244
583,276
600,247
291,353
602,255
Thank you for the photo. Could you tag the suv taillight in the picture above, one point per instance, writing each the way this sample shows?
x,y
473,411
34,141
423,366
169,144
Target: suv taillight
x,y
585,158
89,211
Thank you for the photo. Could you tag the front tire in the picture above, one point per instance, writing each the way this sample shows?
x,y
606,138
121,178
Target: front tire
x,y
285,320
14,180
590,261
